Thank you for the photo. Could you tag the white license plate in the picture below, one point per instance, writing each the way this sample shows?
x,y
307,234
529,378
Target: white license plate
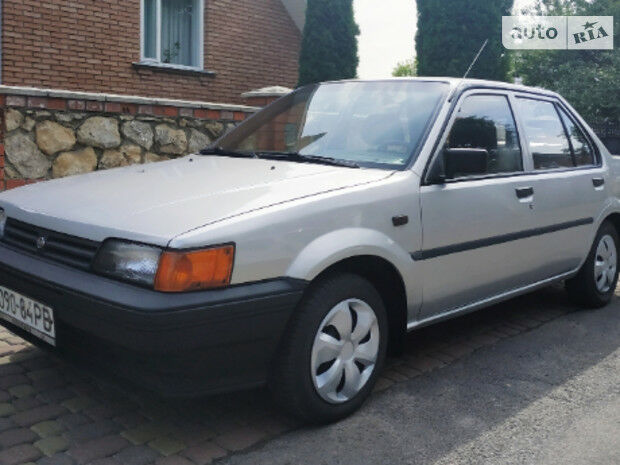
x,y
28,314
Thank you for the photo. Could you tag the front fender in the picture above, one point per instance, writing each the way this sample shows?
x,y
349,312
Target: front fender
x,y
341,244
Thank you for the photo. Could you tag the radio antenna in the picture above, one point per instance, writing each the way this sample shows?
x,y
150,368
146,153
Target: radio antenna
x,y
475,58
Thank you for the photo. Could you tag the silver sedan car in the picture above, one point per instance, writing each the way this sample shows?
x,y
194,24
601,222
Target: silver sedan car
x,y
301,247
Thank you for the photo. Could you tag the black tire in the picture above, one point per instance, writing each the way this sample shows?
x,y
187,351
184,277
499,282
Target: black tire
x,y
291,382
582,288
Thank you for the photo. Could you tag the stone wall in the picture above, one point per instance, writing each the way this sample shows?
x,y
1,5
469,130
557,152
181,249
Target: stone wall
x,y
47,134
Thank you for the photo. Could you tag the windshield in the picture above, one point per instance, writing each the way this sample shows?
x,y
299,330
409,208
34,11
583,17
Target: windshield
x,y
371,124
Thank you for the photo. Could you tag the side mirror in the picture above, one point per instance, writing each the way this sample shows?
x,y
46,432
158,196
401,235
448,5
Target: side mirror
x,y
465,162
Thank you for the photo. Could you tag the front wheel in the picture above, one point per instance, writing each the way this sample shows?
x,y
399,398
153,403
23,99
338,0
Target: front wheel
x,y
333,350
595,284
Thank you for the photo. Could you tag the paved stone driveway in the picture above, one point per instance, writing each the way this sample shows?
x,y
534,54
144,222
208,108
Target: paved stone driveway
x,y
53,412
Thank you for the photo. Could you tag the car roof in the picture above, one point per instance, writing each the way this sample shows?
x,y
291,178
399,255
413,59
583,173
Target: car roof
x,y
464,84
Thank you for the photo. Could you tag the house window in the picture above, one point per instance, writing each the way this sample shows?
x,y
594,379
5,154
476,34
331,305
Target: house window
x,y
172,32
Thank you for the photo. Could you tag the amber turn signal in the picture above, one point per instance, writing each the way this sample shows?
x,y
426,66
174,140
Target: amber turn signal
x,y
181,271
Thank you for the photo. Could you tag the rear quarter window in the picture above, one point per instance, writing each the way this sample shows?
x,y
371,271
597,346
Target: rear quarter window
x,y
584,155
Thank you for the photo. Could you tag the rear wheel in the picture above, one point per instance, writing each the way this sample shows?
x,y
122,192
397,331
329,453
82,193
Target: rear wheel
x,y
595,284
332,351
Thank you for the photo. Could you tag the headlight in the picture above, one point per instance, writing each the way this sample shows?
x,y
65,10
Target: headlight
x,y
128,261
197,269
2,221
166,270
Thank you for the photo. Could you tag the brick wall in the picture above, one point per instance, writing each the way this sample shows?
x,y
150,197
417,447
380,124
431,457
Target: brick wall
x,y
88,45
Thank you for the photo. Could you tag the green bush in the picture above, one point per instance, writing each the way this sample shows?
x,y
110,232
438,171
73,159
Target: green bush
x,y
405,68
450,33
329,43
588,79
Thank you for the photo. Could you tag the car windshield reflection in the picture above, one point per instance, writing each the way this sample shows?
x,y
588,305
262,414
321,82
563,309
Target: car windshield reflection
x,y
370,124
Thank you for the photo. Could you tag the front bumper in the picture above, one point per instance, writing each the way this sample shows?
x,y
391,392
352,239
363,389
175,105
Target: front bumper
x,y
178,344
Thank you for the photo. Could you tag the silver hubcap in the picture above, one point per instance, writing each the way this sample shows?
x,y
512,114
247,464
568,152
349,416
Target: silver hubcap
x,y
605,263
345,351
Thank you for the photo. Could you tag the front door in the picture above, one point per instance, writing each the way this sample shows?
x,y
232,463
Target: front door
x,y
475,222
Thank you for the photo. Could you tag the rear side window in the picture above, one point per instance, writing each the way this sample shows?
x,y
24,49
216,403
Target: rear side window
x,y
486,122
545,132
584,155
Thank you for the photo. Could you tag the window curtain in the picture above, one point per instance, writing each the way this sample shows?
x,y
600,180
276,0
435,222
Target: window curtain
x,y
150,28
176,32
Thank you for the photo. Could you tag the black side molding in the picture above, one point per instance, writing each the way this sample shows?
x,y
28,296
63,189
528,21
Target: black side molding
x,y
495,240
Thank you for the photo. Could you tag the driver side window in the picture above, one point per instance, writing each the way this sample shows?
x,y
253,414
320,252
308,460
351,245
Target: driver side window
x,y
483,139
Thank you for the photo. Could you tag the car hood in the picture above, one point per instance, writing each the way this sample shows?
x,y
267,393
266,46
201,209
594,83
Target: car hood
x,y
156,202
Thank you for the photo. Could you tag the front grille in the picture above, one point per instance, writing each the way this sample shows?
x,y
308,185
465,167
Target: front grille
x,y
58,247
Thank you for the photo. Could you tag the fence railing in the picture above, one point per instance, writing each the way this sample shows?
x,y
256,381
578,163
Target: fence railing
x,y
609,133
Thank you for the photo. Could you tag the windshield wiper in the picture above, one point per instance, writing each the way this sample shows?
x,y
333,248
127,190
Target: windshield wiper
x,y
288,156
298,157
227,153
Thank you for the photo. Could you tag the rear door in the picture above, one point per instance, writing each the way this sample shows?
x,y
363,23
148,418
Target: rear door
x,y
568,183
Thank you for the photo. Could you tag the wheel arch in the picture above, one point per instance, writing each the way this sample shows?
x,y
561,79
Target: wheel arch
x,y
610,213
613,218
375,256
388,281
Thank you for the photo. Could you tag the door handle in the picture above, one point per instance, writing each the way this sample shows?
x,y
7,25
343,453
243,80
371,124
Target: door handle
x,y
524,192
598,182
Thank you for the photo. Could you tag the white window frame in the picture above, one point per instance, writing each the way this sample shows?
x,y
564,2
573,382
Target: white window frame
x,y
157,61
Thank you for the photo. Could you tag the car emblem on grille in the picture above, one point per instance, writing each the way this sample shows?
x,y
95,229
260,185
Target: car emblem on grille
x,y
41,241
